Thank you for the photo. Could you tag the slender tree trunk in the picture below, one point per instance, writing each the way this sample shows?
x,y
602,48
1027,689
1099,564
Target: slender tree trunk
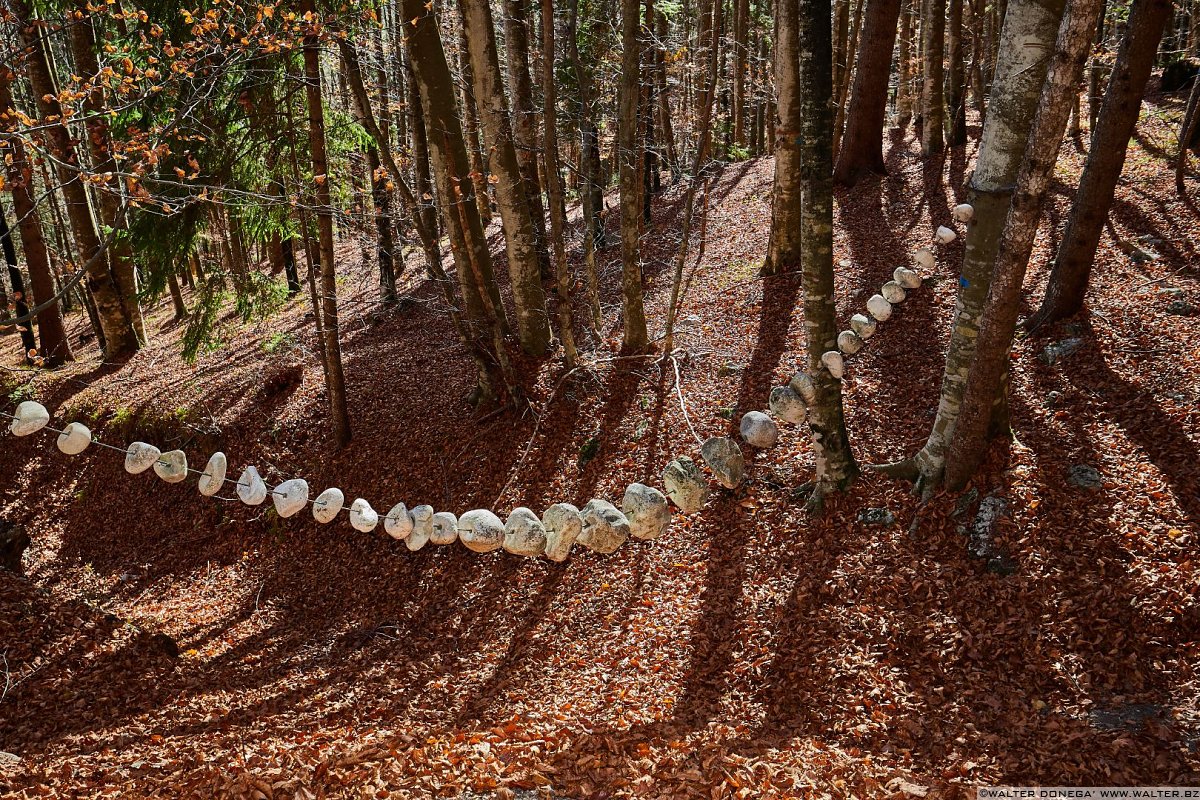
x,y
741,25
83,46
835,467
589,168
1106,157
1187,134
1029,32
843,90
990,365
933,31
665,125
558,221
335,378
479,170
862,149
904,87
784,248
119,336
181,310
956,85
422,175
56,349
524,124
1096,73
635,338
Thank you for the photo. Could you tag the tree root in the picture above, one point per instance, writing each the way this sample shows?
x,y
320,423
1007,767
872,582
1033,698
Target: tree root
x,y
906,470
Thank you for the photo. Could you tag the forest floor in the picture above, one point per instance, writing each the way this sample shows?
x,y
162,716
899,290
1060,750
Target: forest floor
x,y
753,651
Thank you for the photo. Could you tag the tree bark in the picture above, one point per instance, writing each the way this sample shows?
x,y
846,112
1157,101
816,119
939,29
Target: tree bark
x,y
520,85
119,336
331,342
635,336
1106,157
741,24
990,365
862,148
521,242
835,466
956,87
933,32
783,250
904,87
589,168
479,170
843,89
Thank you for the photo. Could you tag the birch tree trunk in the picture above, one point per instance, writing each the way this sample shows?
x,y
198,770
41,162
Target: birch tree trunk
x,y
1106,158
862,148
985,381
635,336
1030,29
520,240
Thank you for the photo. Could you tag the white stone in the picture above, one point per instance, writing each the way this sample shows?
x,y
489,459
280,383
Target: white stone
x,y
788,405
363,518
328,505
907,278
140,457
251,489
172,466
963,212
605,528
925,259
481,531
398,524
74,439
803,385
422,527
834,362
879,307
863,325
214,474
849,342
725,459
524,533
563,526
758,430
647,510
685,484
30,417
893,292
290,497
944,235
445,528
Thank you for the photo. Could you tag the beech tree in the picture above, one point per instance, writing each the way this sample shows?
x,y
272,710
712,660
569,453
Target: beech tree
x,y
629,155
862,145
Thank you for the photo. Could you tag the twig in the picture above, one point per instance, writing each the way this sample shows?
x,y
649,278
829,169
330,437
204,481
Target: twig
x,y
532,436
682,404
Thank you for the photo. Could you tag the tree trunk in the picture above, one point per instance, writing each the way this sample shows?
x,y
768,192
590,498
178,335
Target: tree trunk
x,y
422,176
839,120
783,250
990,365
1030,29
181,310
635,338
589,168
933,32
741,24
904,87
956,87
124,275
558,221
665,125
1106,157
1096,74
521,243
862,149
835,467
331,345
524,124
119,336
38,259
479,170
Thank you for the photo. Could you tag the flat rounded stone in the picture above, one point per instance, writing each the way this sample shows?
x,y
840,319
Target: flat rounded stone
x,y
863,326
787,405
214,474
605,528
647,510
924,258
290,497
398,524
893,292
422,527
944,235
29,418
834,362
251,488
963,212
524,533
685,484
481,531
140,457
563,525
879,308
725,459
445,528
172,466
363,518
802,384
328,505
74,439
849,342
758,430
907,278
